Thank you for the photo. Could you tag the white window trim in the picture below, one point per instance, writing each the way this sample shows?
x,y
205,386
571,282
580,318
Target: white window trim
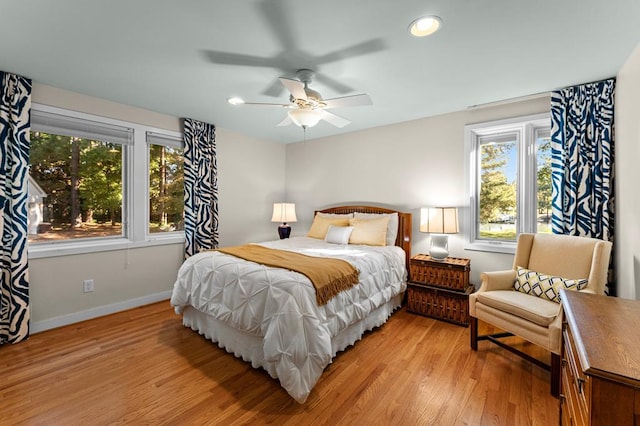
x,y
526,201
135,195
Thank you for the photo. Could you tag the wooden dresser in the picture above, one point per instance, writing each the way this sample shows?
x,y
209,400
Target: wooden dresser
x,y
600,380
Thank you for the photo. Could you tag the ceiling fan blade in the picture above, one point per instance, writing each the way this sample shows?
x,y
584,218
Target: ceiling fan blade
x,y
348,101
279,20
227,58
334,84
274,90
296,87
370,46
336,120
286,121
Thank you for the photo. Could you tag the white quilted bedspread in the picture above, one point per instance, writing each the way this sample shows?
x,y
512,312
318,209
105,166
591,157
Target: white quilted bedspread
x,y
280,305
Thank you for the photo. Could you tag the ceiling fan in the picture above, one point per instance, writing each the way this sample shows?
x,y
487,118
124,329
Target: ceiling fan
x,y
306,106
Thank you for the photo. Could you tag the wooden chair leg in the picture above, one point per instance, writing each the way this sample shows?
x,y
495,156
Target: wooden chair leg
x,y
473,332
555,375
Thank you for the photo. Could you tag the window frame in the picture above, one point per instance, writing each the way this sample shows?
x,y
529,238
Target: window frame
x,y
135,171
526,184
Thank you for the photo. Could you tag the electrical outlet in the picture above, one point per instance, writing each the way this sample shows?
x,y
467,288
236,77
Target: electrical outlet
x,y
87,286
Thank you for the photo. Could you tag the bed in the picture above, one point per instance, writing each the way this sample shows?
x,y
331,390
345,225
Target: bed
x,y
270,316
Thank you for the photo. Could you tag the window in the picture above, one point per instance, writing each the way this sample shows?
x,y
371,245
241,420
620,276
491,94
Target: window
x,y
509,181
166,183
76,178
101,184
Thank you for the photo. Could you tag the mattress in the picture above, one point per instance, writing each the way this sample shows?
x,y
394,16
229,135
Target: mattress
x,y
269,316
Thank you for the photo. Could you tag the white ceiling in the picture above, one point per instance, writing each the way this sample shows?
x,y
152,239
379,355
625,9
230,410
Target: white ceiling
x,y
157,54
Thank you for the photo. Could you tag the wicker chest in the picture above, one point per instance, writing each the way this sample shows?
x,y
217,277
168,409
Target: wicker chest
x,y
452,273
440,289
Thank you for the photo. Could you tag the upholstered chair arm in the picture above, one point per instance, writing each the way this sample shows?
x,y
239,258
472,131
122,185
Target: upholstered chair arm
x,y
555,333
497,280
599,267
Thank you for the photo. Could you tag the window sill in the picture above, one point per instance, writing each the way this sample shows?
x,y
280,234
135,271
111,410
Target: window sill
x,y
491,246
70,248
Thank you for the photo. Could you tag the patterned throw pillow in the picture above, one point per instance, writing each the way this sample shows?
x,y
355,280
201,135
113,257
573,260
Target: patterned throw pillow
x,y
545,286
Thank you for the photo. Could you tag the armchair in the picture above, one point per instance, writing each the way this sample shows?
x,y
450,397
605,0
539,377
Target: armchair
x,y
532,318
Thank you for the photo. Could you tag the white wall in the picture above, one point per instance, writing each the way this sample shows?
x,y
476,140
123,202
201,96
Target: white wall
x,y
627,175
251,176
406,166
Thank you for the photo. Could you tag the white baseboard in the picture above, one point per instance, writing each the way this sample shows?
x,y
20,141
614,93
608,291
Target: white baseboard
x,y
100,311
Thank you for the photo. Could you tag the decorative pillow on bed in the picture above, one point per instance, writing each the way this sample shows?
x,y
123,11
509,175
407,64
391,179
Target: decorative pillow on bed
x,y
392,226
320,225
545,286
338,234
371,232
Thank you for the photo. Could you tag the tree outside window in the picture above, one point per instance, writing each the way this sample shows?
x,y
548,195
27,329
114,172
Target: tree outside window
x,y
497,190
509,181
82,180
166,188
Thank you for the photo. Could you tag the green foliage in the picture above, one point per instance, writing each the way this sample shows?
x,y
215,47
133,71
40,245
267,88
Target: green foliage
x,y
504,235
98,174
50,156
166,188
497,195
94,181
101,181
543,177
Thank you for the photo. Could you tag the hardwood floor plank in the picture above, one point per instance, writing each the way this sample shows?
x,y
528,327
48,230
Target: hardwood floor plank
x,y
144,367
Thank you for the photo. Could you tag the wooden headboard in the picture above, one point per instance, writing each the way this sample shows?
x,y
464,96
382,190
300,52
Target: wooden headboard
x,y
403,240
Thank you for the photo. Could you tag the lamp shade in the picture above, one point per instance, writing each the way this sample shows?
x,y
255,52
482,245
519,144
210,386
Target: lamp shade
x,y
284,212
439,220
305,117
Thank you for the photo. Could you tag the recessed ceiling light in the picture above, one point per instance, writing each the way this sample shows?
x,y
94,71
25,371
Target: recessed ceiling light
x,y
235,101
425,26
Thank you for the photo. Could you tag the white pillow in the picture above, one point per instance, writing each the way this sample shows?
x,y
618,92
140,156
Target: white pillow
x,y
392,226
338,234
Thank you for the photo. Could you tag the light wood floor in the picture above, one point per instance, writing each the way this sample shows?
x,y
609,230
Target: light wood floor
x,y
143,367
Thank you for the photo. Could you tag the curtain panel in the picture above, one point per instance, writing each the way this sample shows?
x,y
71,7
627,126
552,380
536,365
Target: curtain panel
x,y
200,187
582,164
15,106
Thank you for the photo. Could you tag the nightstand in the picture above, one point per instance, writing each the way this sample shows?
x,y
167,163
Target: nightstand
x,y
440,289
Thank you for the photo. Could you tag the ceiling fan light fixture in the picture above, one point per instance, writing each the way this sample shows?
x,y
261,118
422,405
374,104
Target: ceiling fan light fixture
x,y
425,25
305,117
235,100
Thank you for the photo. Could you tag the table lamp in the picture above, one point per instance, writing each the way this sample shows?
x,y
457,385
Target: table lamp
x,y
284,212
439,221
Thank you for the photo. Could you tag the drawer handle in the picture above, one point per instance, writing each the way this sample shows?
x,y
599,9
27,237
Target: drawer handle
x,y
580,382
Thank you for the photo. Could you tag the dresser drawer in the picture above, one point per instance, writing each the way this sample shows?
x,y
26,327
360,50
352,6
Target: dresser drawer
x,y
578,384
570,413
600,378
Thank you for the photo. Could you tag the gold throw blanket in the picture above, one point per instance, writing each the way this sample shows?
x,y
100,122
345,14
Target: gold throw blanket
x,y
329,276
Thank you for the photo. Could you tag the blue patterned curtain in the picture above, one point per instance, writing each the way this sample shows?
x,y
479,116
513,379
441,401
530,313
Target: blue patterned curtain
x,y
15,106
582,167
200,187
